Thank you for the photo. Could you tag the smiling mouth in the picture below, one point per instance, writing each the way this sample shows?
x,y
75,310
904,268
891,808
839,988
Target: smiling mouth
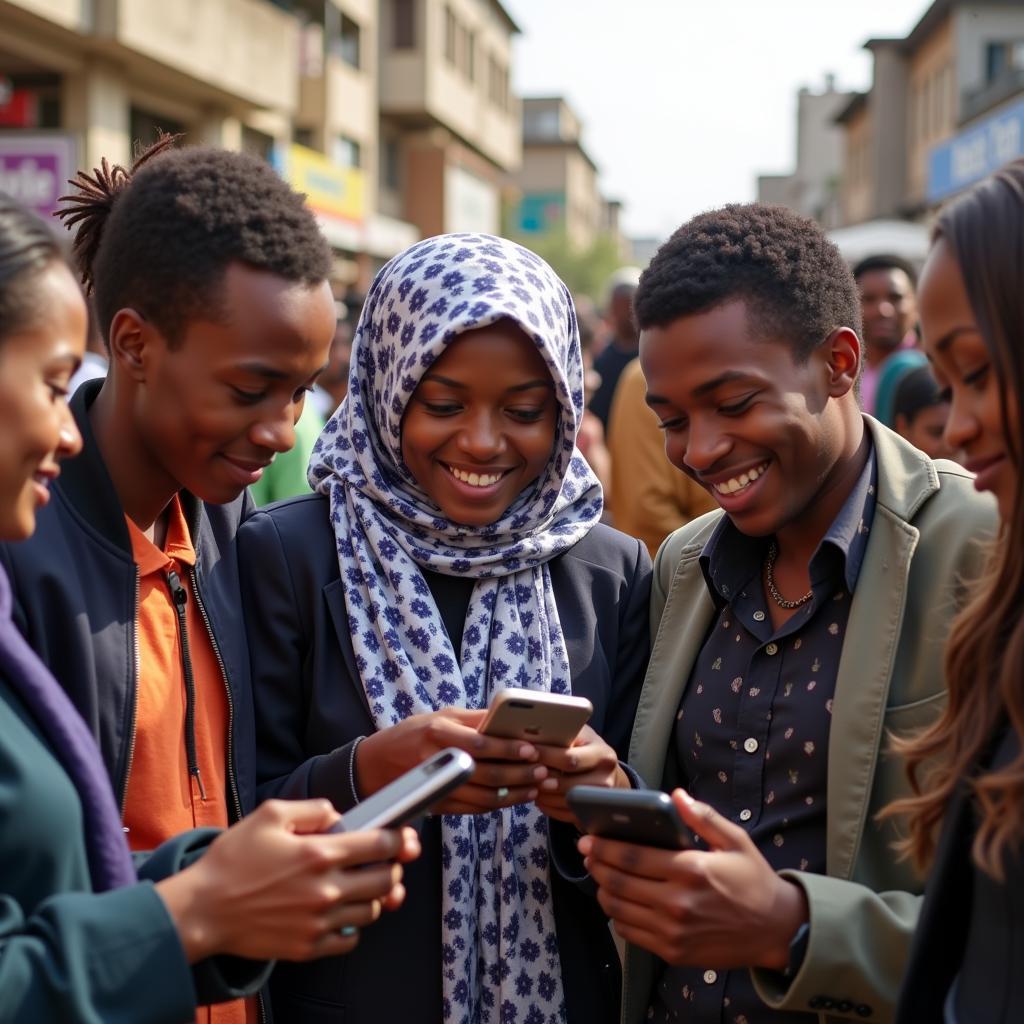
x,y
739,483
475,479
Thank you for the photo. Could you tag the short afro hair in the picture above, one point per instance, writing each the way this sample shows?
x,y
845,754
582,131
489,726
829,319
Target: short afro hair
x,y
160,236
793,279
884,261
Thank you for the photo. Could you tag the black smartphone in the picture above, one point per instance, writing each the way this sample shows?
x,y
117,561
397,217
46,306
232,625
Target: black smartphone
x,y
411,794
646,817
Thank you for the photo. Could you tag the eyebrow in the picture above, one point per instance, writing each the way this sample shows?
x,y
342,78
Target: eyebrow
x,y
528,386
708,386
950,336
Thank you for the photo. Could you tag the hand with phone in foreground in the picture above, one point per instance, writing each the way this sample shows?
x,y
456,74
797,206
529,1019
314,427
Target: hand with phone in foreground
x,y
274,887
723,907
571,751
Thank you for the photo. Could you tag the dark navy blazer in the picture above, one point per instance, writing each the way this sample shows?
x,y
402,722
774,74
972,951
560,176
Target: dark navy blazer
x,y
310,706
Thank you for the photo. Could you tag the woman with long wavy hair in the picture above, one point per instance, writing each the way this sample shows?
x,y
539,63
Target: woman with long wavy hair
x,y
966,818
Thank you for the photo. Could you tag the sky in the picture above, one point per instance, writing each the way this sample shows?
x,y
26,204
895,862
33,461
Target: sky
x,y
685,102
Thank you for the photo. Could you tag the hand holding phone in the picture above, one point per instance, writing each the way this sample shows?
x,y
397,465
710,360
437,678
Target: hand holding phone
x,y
410,794
646,817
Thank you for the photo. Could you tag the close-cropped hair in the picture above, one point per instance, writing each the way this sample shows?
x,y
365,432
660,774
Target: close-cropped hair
x,y
884,261
159,237
984,230
27,247
796,284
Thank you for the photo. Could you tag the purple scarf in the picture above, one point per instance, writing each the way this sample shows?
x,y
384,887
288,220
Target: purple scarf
x,y
110,863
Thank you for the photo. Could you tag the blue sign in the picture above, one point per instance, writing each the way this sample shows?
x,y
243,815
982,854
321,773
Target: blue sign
x,y
975,153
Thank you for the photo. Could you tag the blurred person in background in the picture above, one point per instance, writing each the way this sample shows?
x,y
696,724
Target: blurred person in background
x,y
921,411
591,438
83,938
889,312
649,497
621,347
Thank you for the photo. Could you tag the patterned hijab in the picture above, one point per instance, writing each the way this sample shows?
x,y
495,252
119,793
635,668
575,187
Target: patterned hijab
x,y
499,949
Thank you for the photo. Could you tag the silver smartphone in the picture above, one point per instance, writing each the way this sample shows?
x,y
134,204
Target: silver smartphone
x,y
411,794
551,719
646,817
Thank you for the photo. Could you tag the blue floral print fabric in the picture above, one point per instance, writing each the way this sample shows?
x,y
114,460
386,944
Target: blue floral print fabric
x,y
499,949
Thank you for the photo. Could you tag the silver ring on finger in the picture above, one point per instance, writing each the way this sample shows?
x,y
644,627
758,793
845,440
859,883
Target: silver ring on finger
x,y
502,794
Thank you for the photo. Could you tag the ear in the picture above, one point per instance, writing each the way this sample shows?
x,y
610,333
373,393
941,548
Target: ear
x,y
843,353
131,340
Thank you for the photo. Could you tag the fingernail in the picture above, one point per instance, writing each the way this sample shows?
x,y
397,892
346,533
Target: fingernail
x,y
540,772
549,784
532,795
526,752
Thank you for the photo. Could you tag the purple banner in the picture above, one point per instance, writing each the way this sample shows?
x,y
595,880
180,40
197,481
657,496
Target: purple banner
x,y
34,168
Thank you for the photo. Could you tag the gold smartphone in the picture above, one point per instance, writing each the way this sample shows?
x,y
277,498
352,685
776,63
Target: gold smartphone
x,y
550,719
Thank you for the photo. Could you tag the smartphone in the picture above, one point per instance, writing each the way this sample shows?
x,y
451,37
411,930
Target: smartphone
x,y
551,719
646,817
411,794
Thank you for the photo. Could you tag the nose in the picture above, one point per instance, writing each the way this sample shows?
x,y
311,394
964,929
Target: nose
x,y
886,308
961,425
69,442
481,438
277,432
705,446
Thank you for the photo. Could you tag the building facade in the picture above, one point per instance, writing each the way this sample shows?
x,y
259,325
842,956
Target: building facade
x,y
813,188
945,108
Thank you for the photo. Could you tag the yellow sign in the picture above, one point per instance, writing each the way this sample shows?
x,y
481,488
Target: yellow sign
x,y
331,190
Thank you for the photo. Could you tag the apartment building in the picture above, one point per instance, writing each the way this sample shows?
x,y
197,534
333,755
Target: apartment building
x,y
450,127
813,187
558,179
945,108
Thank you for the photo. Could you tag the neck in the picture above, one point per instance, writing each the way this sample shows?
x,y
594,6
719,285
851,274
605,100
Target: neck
x,y
800,537
143,488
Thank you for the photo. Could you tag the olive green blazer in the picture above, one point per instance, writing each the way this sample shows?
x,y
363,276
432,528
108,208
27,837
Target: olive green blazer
x,y
926,542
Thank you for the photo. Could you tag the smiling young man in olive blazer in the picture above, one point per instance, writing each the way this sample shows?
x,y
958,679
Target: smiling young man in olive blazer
x,y
794,628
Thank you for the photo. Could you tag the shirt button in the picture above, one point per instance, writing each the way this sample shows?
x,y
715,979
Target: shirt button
x,y
772,649
759,616
711,977
746,814
750,745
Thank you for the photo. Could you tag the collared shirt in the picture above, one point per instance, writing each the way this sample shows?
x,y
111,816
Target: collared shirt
x,y
752,729
161,797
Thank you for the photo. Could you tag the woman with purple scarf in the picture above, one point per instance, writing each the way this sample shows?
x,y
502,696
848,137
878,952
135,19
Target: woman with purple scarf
x,y
81,937
453,549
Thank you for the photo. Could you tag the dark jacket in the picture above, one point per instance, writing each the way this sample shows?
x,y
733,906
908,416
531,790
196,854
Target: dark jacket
x,y
311,705
68,953
75,586
971,928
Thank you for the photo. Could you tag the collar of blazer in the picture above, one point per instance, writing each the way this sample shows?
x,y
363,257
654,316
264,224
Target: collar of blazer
x,y
682,612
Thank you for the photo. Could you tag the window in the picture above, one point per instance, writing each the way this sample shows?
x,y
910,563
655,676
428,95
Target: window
x,y
450,31
498,83
1003,57
390,164
257,143
144,126
403,24
345,40
303,137
470,56
347,152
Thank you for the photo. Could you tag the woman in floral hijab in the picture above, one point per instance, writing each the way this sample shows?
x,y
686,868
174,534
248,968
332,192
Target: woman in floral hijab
x,y
467,557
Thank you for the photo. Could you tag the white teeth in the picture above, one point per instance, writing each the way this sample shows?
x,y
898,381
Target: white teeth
x,y
475,479
737,483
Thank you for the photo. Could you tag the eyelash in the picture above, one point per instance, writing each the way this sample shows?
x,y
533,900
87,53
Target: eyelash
x,y
726,410
523,415
255,397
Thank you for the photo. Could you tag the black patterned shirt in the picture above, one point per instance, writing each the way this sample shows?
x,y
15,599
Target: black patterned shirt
x,y
753,727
